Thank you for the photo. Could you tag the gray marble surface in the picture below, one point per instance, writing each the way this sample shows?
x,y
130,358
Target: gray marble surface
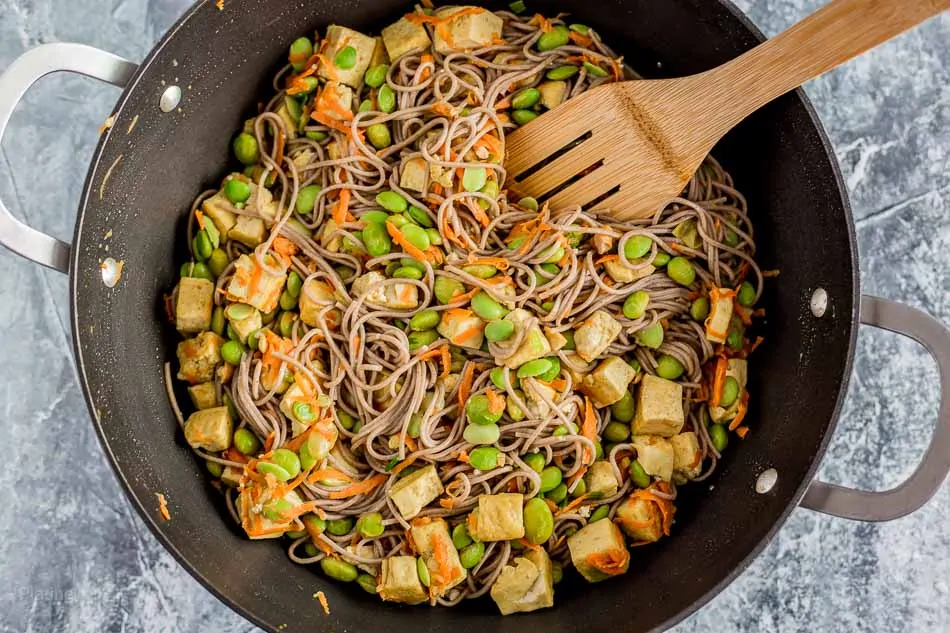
x,y
74,557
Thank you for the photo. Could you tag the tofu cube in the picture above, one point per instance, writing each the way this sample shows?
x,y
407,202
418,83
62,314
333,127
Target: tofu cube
x,y
429,537
596,334
553,93
265,521
659,407
194,305
720,315
380,56
232,476
556,340
262,204
608,383
402,296
203,396
415,491
535,394
315,296
255,286
602,243
248,230
243,327
372,286
526,585
576,367
687,457
329,238
656,455
290,124
404,36
535,343
738,369
209,429
470,28
198,356
338,38
498,517
399,581
414,175
601,481
598,551
623,275
336,98
220,210
462,327
292,396
640,519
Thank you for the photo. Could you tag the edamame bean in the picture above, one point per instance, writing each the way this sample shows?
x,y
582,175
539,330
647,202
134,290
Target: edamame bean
x,y
560,431
534,368
635,306
640,477
414,429
407,272
562,72
365,106
316,136
376,76
517,7
286,324
434,236
681,271
651,336
416,236
730,391
523,117
551,478
277,509
269,468
617,432
370,525
246,149
719,437
420,217
339,569
472,555
699,309
294,283
535,461
286,459
555,370
636,247
526,99
474,178
734,338
367,583
218,262
392,201
307,198
497,376
730,238
497,331
422,570
421,338
376,217
346,58
300,52
425,320
598,450
214,468
595,71
557,573
481,433
237,191
479,410
218,321
559,493
303,412
460,536
487,308
668,367
314,524
246,442
482,271
746,294
623,409
538,521
340,527
378,135
484,458
556,37
583,29
376,240
570,345
287,301
232,352
202,246
580,489
386,98
599,513
661,259
346,420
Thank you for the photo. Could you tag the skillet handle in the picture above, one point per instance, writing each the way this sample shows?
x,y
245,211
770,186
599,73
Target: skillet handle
x,y
14,82
913,493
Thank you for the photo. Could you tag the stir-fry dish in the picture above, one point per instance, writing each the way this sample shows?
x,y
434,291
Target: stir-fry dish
x,y
425,384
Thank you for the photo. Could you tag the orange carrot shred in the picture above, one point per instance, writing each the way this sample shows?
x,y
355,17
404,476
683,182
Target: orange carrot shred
x,y
465,386
322,599
742,431
496,401
573,504
401,241
589,428
740,412
359,488
163,506
719,380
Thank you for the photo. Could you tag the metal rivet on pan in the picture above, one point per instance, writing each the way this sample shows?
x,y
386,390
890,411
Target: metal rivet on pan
x,y
170,99
819,302
111,271
766,481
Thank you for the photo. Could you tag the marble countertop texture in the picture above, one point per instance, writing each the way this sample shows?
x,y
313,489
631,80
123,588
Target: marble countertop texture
x,y
75,557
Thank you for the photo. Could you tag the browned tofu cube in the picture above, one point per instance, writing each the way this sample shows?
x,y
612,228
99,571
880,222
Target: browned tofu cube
x,y
659,407
498,517
598,551
640,518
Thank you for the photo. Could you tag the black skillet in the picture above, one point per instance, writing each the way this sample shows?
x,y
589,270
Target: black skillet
x,y
144,176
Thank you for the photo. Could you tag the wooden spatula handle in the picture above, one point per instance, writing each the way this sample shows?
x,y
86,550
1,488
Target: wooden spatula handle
x,y
824,40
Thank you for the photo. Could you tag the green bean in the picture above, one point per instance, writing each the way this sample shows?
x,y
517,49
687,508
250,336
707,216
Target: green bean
x,y
535,461
392,201
214,468
301,50
661,259
386,98
287,301
538,521
407,272
523,117
498,331
218,321
237,191
376,76
346,420
246,442
434,236
484,458
367,583
472,555
526,99
460,536
481,433
719,437
557,495
286,324
231,352
339,569
617,432
635,306
421,338
416,236
730,392
551,478
699,309
555,38
562,72
420,217
534,368
246,149
376,240
599,513
651,336
370,525
425,320
378,135
681,271
487,308
595,71
479,410
555,370
340,527
446,289
623,409
345,59
746,294
668,367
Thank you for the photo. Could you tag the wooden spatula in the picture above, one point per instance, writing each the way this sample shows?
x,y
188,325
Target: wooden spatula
x,y
630,146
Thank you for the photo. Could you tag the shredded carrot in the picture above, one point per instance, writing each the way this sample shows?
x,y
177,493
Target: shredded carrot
x,y
611,562
163,507
606,258
742,431
447,572
359,488
424,60
740,412
744,314
465,386
441,24
503,104
770,273
581,40
401,466
753,346
467,334
447,502
428,4
580,473
328,473
443,108
234,455
321,597
665,507
220,5
342,207
496,401
543,23
589,428
616,65
432,353
446,355
401,240
528,544
576,503
269,442
719,380
284,246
